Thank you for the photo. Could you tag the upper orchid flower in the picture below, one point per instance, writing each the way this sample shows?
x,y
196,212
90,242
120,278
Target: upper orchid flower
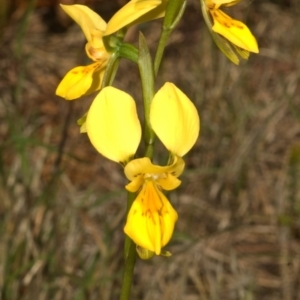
x,y
231,36
84,80
114,130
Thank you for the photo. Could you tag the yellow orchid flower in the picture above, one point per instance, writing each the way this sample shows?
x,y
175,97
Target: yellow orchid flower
x,y
231,36
151,219
84,80
114,130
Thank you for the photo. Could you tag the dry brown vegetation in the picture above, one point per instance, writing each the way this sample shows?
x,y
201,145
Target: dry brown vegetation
x,y
62,205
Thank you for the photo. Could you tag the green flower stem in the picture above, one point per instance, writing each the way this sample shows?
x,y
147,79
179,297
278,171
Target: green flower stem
x,y
111,70
129,51
130,257
123,50
147,78
174,13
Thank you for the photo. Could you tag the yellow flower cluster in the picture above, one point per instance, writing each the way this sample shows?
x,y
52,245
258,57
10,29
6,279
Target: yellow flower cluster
x,y
231,36
112,123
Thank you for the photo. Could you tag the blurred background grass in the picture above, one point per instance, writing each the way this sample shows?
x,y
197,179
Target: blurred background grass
x,y
62,206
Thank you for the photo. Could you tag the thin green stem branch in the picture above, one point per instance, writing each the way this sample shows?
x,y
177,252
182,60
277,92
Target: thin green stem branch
x,y
124,50
161,49
128,272
174,13
111,70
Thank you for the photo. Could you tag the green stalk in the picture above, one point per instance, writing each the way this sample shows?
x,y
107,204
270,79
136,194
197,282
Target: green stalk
x,y
129,51
124,50
147,78
174,13
111,70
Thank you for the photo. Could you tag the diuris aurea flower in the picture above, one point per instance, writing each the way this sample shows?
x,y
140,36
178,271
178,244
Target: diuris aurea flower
x,y
115,131
231,36
84,80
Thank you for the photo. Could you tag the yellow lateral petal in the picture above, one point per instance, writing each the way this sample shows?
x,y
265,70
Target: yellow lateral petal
x,y
144,166
135,184
80,81
168,182
89,21
112,125
218,3
136,11
235,31
175,120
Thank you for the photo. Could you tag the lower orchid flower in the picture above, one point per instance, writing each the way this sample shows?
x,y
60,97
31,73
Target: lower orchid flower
x,y
114,130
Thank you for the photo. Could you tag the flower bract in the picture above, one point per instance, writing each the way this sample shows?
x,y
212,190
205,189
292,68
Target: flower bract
x,y
232,36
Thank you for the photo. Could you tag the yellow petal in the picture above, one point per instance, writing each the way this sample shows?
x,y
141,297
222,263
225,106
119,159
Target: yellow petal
x,y
218,3
136,183
143,166
230,50
89,21
112,125
151,219
141,228
97,52
235,31
134,12
175,120
168,182
81,81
